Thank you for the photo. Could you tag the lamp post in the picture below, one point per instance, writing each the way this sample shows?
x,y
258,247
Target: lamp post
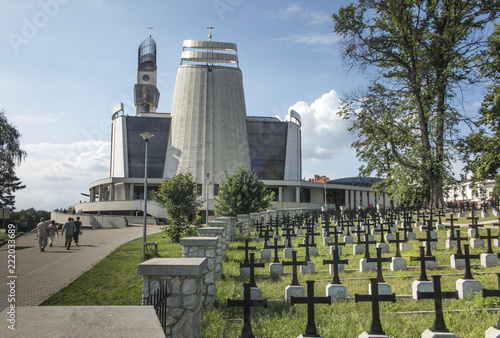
x,y
146,137
208,182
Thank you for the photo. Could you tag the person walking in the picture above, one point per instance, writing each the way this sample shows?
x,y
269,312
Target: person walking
x,y
52,232
42,232
76,234
68,229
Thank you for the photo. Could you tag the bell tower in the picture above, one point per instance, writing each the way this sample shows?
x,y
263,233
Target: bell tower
x,y
146,95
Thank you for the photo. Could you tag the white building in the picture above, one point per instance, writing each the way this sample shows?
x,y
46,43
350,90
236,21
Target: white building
x,y
208,133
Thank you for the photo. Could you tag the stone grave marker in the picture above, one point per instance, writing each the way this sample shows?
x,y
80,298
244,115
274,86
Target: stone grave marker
x,y
310,266
494,331
294,289
335,289
467,285
439,328
245,270
364,263
455,261
310,300
247,303
383,287
422,283
489,258
276,268
375,298
398,262
256,292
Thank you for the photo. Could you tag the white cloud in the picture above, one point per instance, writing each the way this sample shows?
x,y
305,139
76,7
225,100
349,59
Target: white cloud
x,y
324,133
312,38
296,11
56,174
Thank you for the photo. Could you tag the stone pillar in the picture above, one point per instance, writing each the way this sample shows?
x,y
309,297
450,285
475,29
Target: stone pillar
x,y
200,247
184,279
225,236
245,222
232,225
220,252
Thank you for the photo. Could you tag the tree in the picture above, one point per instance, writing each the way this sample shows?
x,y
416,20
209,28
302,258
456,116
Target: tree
x,y
11,155
178,196
241,193
419,53
481,149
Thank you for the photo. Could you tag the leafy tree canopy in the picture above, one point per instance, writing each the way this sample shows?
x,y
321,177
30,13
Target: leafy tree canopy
x,y
178,196
241,193
481,149
11,155
418,53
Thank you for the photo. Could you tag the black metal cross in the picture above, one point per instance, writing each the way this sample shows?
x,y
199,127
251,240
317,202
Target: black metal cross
x,y
475,225
247,249
438,296
467,257
247,305
335,262
288,236
294,264
265,234
252,265
310,300
367,243
359,232
375,298
307,245
397,241
379,260
452,226
422,258
382,230
428,239
276,247
488,239
335,233
493,293
459,242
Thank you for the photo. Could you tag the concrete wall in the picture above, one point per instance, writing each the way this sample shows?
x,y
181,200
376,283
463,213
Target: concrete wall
x,y
96,222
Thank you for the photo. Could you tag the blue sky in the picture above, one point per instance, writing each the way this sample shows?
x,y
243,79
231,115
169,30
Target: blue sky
x,y
66,63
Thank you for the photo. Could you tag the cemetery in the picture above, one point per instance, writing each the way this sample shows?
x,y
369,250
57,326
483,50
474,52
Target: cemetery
x,y
381,273
306,273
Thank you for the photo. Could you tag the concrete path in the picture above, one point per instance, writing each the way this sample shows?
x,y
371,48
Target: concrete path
x,y
38,275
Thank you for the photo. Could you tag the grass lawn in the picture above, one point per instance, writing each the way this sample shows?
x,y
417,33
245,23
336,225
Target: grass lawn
x,y
114,281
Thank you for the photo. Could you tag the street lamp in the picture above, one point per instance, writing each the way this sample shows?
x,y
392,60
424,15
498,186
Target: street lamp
x,y
206,195
146,137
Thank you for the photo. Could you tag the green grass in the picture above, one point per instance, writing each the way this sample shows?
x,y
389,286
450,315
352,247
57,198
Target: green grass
x,y
114,281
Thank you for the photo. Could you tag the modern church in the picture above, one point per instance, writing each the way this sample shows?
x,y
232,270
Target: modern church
x,y
208,133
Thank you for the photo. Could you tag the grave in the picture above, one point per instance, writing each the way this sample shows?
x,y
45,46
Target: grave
x,y
467,285
364,263
310,266
494,331
294,289
451,234
455,261
422,284
255,291
359,247
276,268
489,258
376,326
439,328
310,300
383,287
244,269
335,289
398,262
247,303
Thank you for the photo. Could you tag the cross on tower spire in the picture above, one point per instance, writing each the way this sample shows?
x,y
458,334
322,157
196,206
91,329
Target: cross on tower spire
x,y
210,32
150,28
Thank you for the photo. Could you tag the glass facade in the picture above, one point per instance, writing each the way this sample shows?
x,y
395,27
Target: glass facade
x,y
157,146
267,142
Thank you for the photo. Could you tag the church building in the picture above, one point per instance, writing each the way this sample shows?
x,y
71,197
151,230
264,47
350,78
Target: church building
x,y
207,133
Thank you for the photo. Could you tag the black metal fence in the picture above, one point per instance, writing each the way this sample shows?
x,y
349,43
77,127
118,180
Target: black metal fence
x,y
159,301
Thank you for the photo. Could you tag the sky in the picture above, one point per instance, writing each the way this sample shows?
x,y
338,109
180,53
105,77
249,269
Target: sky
x,y
65,63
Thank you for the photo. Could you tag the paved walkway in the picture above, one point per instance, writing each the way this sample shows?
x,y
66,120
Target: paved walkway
x,y
39,275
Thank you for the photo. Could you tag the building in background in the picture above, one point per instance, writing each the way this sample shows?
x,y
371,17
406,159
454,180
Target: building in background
x,y
207,133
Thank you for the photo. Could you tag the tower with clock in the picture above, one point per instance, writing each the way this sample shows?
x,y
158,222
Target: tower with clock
x,y
146,95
